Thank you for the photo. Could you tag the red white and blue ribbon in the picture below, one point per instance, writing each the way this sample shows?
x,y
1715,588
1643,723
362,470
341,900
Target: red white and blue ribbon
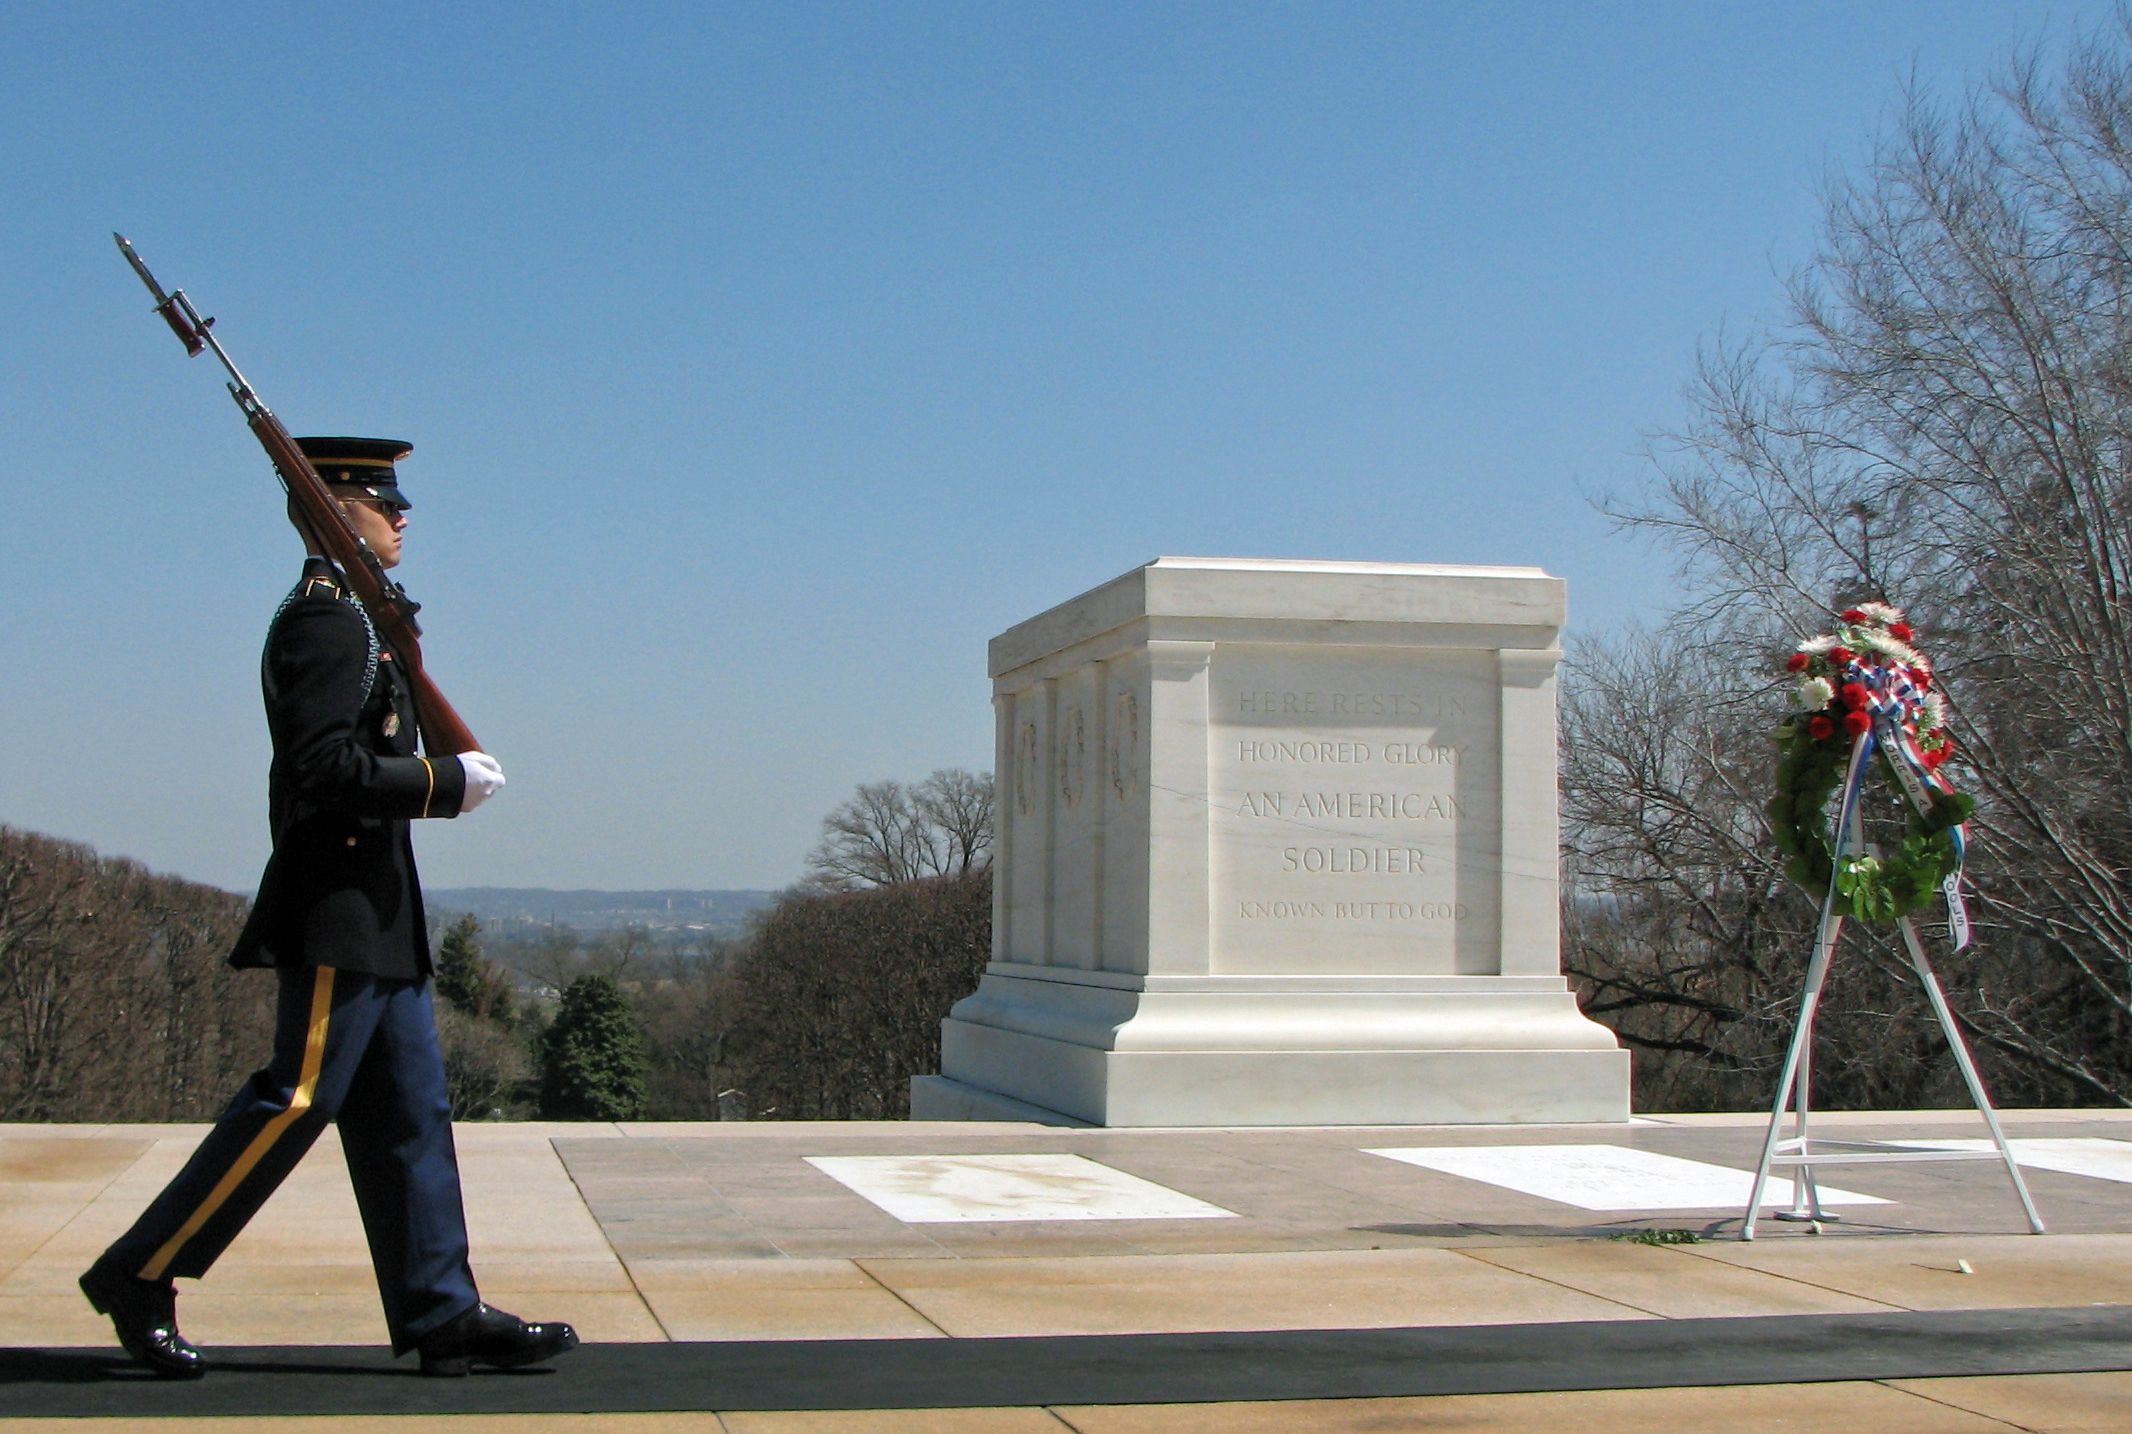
x,y
1895,701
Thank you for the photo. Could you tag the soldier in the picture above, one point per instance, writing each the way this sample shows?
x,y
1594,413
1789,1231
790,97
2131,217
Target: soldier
x,y
339,918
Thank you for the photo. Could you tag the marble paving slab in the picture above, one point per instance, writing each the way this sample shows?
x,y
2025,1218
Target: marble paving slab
x,y
938,1189
2092,1156
1607,1177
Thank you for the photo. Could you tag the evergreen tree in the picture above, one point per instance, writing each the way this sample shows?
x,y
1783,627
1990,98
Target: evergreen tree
x,y
456,956
466,979
592,1056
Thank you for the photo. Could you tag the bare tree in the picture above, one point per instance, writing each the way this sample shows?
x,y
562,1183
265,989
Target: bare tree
x,y
837,999
1947,422
688,1010
957,804
487,1064
115,1001
886,833
1681,929
562,955
46,904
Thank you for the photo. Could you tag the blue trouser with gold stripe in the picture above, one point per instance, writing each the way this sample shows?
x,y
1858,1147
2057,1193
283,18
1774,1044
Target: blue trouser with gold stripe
x,y
361,1052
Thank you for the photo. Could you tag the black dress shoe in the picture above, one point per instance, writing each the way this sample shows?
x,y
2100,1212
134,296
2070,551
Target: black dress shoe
x,y
493,1340
145,1314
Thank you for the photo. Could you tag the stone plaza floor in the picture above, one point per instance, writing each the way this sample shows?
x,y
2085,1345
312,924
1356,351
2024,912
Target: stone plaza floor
x,y
790,1277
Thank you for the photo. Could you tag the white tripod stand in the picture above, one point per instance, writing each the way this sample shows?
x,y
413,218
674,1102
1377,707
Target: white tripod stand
x,y
1800,1152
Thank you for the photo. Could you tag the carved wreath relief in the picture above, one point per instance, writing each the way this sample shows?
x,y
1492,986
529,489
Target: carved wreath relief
x,y
1124,744
1025,751
1073,756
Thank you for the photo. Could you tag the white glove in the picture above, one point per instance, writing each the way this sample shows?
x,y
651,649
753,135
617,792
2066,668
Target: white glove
x,y
484,779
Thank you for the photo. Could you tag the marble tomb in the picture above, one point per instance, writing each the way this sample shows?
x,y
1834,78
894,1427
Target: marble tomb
x,y
1277,845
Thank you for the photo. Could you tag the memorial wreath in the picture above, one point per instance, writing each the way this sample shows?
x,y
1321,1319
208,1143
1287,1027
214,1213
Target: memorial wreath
x,y
1867,682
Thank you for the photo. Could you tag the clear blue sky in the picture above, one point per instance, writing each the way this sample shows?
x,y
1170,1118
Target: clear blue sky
x,y
763,361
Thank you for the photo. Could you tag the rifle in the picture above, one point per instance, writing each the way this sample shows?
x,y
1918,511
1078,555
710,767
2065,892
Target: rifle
x,y
324,526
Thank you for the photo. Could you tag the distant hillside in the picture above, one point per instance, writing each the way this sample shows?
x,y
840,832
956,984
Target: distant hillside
x,y
118,1005
716,913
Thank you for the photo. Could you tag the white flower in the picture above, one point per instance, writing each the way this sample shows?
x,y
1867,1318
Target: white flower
x,y
1935,712
1881,613
1820,646
1815,693
1882,643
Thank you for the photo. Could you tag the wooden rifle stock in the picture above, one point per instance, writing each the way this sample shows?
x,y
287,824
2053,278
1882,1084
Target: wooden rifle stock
x,y
324,526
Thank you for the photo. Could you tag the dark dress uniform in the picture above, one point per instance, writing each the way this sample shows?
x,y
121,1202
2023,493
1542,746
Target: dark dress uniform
x,y
339,917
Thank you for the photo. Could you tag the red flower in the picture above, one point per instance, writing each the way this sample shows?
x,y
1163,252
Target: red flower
x,y
1797,663
1852,614
1857,723
1854,695
1819,728
1901,631
1922,676
1840,655
1934,757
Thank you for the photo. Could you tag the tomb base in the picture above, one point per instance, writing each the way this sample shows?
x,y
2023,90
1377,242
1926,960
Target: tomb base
x,y
1234,1053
